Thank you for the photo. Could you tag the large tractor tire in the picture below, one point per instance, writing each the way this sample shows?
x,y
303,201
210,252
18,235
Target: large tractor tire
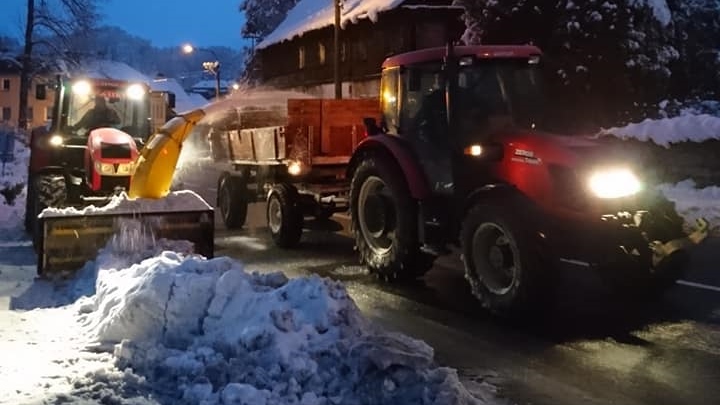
x,y
284,217
501,263
44,191
232,200
384,221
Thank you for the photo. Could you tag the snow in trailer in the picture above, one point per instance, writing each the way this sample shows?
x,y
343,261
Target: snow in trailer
x,y
155,325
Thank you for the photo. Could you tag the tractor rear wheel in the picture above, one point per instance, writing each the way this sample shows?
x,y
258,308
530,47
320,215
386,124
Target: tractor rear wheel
x,y
284,217
499,261
232,200
384,221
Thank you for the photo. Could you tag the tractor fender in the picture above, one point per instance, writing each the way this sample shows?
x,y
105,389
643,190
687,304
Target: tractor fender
x,y
398,151
502,193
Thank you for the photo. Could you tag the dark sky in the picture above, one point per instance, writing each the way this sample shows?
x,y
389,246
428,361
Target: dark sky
x,y
164,22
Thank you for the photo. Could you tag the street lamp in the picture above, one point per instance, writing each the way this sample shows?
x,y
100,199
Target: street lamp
x,y
212,67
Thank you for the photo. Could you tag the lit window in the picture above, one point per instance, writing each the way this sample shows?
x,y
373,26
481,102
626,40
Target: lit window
x,y
301,57
321,53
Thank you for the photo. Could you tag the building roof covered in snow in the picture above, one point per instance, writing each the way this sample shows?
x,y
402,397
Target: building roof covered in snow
x,y
110,69
308,15
183,101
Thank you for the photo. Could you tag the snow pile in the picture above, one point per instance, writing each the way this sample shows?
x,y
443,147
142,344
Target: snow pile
x,y
666,131
206,331
692,203
181,200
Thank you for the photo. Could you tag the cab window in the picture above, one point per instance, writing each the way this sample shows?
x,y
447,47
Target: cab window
x,y
389,100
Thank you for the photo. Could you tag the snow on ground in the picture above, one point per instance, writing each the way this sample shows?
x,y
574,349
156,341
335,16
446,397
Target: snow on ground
x,y
157,326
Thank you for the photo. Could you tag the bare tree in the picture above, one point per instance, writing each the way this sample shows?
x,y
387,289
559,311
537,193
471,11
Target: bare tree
x,y
48,26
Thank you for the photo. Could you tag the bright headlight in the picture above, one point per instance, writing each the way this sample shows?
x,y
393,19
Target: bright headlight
x,y
294,168
614,183
135,92
56,140
82,88
104,168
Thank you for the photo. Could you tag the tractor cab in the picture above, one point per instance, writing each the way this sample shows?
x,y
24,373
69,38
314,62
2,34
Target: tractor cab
x,y
449,103
85,104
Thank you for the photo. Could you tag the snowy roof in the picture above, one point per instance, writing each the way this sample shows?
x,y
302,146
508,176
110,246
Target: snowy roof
x,y
210,84
308,15
183,100
109,69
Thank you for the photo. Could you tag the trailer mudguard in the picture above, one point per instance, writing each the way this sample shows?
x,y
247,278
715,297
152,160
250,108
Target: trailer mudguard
x,y
408,162
155,167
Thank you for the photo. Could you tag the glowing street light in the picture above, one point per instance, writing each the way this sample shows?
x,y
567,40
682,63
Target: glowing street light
x,y
212,67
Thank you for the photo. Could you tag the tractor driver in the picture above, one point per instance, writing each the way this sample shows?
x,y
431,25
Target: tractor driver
x,y
101,115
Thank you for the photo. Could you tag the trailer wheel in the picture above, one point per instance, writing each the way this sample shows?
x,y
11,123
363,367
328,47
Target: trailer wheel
x,y
232,200
283,216
384,221
47,191
499,261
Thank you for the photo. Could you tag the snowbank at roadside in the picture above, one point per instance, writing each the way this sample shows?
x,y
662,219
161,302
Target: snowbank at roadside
x,y
666,131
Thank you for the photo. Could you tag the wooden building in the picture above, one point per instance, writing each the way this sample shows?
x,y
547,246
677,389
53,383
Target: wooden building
x,y
299,54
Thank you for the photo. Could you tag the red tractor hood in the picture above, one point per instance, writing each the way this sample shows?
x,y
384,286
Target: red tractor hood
x,y
573,151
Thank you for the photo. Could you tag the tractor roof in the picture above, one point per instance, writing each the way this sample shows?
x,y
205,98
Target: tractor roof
x,y
479,51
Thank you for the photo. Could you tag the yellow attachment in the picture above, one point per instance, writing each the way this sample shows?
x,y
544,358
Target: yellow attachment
x,y
155,167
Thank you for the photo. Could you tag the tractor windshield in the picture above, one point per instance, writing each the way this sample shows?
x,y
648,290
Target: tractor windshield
x,y
496,95
96,104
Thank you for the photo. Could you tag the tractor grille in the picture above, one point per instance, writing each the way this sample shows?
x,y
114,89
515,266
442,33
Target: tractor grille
x,y
109,183
115,151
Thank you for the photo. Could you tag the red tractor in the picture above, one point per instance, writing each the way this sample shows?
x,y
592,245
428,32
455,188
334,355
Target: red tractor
x,y
460,157
87,152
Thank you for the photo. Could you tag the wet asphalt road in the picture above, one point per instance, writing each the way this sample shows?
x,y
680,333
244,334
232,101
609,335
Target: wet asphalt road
x,y
592,348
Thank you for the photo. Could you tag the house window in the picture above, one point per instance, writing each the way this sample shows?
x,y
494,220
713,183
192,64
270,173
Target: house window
x,y
321,53
6,84
301,57
343,52
40,91
48,113
29,114
360,52
6,114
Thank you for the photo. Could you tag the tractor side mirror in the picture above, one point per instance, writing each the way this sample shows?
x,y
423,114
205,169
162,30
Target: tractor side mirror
x,y
371,126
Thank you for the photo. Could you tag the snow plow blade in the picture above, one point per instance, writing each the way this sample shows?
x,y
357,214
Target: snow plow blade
x,y
68,241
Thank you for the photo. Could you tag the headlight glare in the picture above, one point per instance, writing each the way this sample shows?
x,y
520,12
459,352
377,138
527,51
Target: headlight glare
x,y
294,168
135,92
614,183
56,140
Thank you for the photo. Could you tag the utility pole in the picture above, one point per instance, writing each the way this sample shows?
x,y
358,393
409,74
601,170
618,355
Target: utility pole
x,y
336,54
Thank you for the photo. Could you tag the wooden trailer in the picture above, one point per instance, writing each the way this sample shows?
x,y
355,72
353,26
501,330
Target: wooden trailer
x,y
295,158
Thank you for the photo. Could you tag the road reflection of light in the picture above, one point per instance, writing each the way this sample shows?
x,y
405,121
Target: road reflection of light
x,y
243,242
349,271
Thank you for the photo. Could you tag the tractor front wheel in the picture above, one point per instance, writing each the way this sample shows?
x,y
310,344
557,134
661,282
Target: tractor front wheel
x,y
48,190
499,261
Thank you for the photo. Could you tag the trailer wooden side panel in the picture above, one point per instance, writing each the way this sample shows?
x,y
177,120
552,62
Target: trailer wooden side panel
x,y
313,131
342,124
